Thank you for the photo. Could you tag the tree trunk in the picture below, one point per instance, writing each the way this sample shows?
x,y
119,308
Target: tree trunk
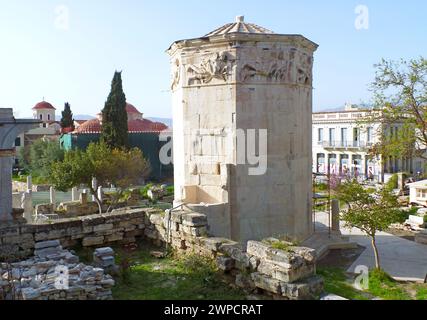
x,y
98,202
377,257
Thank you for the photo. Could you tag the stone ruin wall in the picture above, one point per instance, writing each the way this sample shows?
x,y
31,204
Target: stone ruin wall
x,y
286,274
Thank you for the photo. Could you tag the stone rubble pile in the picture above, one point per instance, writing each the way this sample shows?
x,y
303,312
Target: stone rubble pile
x,y
53,274
104,258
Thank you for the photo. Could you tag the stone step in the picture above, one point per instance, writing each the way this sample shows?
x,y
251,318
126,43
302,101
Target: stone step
x,y
322,242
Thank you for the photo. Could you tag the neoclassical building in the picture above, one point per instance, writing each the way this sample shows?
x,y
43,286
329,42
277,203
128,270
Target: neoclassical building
x,y
341,145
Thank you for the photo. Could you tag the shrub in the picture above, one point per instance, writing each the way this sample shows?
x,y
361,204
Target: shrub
x,y
145,189
321,186
170,190
197,264
403,216
393,183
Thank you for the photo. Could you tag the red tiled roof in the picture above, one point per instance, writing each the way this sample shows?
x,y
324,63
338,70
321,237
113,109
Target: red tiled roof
x,y
134,126
43,105
66,130
145,125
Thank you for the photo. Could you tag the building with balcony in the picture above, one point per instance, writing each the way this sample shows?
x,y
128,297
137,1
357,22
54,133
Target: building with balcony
x,y
341,145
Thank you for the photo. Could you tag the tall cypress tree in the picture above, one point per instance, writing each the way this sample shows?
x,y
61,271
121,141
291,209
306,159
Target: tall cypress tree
x,y
114,116
67,120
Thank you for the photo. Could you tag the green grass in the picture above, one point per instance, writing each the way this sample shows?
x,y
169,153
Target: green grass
x,y
422,293
381,285
336,282
191,278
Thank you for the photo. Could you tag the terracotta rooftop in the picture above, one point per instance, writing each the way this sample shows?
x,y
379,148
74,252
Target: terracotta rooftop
x,y
134,126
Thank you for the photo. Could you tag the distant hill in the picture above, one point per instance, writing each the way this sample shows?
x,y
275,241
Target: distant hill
x,y
83,117
166,121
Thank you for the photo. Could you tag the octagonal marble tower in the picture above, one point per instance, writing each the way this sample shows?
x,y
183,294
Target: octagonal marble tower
x,y
237,79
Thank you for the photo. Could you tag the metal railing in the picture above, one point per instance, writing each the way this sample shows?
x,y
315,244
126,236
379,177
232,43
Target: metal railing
x,y
345,144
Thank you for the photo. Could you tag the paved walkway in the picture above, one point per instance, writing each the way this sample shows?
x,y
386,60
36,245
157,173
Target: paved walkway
x,y
401,258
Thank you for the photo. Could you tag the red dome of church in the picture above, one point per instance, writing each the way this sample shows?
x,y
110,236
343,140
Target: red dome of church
x,y
43,105
136,123
131,109
91,126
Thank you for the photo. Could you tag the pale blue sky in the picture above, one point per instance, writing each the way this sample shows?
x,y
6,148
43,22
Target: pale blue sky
x,y
38,59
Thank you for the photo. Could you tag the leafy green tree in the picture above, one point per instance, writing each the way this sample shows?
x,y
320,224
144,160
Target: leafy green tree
x,y
114,116
42,154
122,168
400,92
369,210
67,120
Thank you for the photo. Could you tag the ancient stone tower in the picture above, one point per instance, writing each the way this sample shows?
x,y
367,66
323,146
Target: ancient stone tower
x,y
231,87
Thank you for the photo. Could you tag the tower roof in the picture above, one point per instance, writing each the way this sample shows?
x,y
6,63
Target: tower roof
x,y
239,26
241,31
